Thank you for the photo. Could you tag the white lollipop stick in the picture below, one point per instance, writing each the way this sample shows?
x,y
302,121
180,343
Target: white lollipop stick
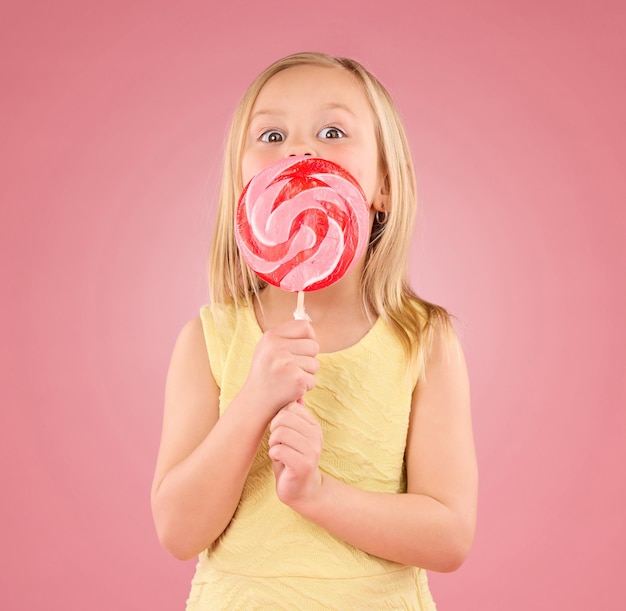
x,y
300,313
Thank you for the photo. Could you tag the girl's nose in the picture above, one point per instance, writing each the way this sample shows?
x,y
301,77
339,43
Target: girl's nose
x,y
301,149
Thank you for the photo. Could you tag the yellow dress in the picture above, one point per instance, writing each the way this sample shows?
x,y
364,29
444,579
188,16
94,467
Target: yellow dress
x,y
270,557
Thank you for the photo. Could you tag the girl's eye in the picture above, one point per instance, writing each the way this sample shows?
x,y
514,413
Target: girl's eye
x,y
272,135
331,132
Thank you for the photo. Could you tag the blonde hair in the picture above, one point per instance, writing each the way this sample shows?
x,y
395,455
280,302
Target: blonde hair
x,y
385,289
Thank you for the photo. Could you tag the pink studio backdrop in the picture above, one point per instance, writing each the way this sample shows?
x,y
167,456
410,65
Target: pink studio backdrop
x,y
112,121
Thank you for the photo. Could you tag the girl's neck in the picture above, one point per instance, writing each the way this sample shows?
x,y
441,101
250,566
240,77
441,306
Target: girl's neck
x,y
337,312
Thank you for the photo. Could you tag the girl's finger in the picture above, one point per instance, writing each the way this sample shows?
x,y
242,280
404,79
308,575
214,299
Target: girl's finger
x,y
295,439
294,415
292,459
300,409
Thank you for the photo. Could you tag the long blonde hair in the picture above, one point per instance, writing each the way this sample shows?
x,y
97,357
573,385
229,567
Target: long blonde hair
x,y
385,288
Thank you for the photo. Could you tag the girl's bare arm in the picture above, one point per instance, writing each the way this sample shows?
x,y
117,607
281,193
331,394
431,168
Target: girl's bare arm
x,y
204,459
195,491
432,525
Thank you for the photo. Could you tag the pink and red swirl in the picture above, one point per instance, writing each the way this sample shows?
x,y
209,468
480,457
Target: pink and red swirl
x,y
302,223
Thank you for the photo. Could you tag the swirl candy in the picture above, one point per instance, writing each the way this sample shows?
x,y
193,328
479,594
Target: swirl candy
x,y
302,223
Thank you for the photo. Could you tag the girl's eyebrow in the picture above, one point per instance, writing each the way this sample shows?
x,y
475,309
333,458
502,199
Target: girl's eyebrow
x,y
337,106
328,106
258,113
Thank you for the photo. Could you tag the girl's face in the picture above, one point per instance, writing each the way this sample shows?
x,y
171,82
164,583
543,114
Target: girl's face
x,y
315,110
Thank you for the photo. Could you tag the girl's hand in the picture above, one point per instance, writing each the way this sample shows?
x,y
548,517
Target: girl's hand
x,y
283,366
295,446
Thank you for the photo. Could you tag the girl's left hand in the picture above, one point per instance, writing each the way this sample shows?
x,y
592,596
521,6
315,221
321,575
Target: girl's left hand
x,y
295,446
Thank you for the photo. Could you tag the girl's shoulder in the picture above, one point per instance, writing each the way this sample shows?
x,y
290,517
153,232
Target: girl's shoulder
x,y
421,325
423,320
215,316
223,319
427,313
228,328
219,322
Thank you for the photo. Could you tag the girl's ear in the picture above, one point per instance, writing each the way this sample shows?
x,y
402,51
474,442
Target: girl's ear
x,y
381,201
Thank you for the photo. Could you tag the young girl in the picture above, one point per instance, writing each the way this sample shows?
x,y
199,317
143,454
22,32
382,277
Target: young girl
x,y
317,466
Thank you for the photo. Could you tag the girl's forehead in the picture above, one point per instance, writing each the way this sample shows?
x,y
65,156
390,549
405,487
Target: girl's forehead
x,y
314,83
313,79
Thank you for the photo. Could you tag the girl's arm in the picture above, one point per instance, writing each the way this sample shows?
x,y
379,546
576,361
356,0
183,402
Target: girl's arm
x,y
204,459
432,525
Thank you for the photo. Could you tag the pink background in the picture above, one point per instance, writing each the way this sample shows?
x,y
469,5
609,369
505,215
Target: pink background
x,y
112,121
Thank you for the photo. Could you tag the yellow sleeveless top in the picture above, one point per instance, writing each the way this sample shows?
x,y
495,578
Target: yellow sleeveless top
x,y
270,557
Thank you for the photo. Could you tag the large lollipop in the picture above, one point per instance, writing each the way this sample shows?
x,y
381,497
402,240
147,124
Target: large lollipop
x,y
301,224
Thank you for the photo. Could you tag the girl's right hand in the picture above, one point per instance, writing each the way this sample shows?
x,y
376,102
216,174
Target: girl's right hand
x,y
283,366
